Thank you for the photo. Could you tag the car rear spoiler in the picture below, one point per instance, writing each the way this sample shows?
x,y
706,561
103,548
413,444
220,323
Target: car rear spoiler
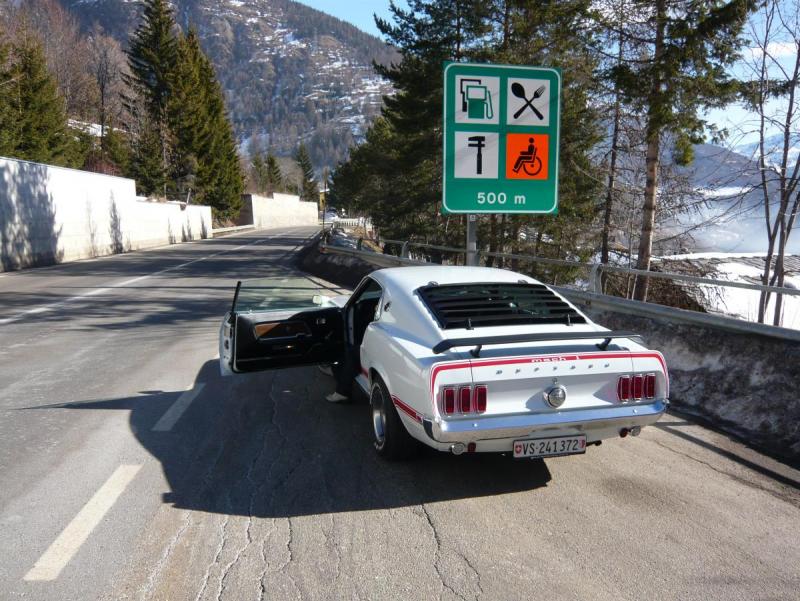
x,y
488,340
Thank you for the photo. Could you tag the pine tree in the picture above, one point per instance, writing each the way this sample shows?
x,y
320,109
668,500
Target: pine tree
x,y
555,34
258,169
265,171
146,162
220,180
275,180
400,165
36,112
116,148
152,59
9,132
308,189
681,70
188,119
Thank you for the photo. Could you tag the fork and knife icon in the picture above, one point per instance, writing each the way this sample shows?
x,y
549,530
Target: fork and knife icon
x,y
519,91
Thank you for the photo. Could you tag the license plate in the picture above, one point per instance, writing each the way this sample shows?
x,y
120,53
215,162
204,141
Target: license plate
x,y
550,447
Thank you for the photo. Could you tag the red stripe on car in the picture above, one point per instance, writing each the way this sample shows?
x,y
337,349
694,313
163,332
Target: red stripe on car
x,y
406,409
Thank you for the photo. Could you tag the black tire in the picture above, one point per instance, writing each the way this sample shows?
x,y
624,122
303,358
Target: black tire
x,y
392,440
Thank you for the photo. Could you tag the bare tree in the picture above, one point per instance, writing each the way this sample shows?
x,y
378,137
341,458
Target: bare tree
x,y
107,63
65,49
773,94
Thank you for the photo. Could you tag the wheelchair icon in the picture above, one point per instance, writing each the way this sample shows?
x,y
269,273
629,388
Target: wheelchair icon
x,y
528,161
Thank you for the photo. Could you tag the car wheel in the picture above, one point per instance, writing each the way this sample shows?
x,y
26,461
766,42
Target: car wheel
x,y
392,440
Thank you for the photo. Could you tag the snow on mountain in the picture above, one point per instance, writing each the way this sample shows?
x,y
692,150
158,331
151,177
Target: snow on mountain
x,y
731,219
290,73
773,148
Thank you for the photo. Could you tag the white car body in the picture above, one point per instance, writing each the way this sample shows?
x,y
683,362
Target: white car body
x,y
415,347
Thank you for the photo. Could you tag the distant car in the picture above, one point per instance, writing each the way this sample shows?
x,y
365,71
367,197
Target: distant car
x,y
330,215
462,359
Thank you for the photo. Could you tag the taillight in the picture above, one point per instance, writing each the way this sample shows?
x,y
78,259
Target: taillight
x,y
650,386
624,388
481,396
464,400
449,400
636,387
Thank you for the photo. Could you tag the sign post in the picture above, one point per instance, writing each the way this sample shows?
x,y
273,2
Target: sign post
x,y
501,140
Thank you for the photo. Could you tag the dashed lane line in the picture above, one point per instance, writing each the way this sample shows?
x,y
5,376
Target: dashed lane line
x,y
59,554
97,291
176,410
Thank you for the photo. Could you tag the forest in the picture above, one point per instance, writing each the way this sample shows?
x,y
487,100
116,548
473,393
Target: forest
x,y
639,79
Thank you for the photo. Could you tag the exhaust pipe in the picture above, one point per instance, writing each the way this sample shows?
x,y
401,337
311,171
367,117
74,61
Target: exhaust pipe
x,y
635,431
457,448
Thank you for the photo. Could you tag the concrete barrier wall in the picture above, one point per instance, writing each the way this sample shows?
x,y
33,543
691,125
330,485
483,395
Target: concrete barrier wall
x,y
746,384
51,214
283,210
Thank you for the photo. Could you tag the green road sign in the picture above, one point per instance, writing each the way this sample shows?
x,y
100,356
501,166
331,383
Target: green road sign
x,y
501,133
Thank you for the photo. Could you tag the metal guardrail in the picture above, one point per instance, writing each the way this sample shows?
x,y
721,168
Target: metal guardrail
x,y
348,222
596,269
378,259
596,299
652,310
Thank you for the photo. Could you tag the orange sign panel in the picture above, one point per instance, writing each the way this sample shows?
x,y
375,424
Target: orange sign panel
x,y
526,156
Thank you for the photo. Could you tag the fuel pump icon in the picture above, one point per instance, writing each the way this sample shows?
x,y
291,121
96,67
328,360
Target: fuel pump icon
x,y
476,99
479,103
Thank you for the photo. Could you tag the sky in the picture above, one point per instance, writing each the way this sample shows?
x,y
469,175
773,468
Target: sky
x,y
357,12
360,13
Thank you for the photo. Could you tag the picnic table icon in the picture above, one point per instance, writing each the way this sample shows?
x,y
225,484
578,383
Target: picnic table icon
x,y
528,161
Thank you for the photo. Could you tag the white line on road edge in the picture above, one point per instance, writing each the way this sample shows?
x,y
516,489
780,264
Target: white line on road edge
x,y
175,412
78,530
97,291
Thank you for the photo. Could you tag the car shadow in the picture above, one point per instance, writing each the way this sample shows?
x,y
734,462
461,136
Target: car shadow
x,y
269,445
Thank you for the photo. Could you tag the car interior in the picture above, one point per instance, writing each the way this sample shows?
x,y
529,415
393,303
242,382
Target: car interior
x,y
362,312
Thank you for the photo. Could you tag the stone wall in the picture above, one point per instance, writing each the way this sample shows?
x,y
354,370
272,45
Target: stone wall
x,y
52,214
745,384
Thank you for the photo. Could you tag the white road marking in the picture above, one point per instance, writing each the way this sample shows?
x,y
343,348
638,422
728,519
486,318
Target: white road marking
x,y
78,530
174,413
97,291
123,256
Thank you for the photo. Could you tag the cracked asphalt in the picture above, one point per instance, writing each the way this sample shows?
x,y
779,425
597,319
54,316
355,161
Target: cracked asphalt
x,y
262,490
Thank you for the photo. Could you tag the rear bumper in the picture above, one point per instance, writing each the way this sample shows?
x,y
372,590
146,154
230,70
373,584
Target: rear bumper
x,y
596,424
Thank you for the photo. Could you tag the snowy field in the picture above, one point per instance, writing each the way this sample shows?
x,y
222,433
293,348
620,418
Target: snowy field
x,y
736,302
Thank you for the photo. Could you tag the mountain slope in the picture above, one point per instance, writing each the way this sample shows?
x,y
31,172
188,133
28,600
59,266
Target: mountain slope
x,y
290,73
732,218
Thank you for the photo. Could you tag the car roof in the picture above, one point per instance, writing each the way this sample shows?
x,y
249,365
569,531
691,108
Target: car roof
x,y
411,278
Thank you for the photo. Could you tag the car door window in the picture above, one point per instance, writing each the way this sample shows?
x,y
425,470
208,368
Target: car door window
x,y
364,308
283,322
278,294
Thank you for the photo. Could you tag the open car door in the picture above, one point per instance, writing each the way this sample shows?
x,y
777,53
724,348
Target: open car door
x,y
275,323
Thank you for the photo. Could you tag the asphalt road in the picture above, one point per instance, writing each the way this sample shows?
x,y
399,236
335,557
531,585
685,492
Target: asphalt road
x,y
129,469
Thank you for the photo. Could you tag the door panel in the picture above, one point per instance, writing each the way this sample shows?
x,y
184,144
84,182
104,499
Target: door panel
x,y
275,339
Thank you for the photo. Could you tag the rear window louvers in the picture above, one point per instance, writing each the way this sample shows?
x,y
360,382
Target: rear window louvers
x,y
484,305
